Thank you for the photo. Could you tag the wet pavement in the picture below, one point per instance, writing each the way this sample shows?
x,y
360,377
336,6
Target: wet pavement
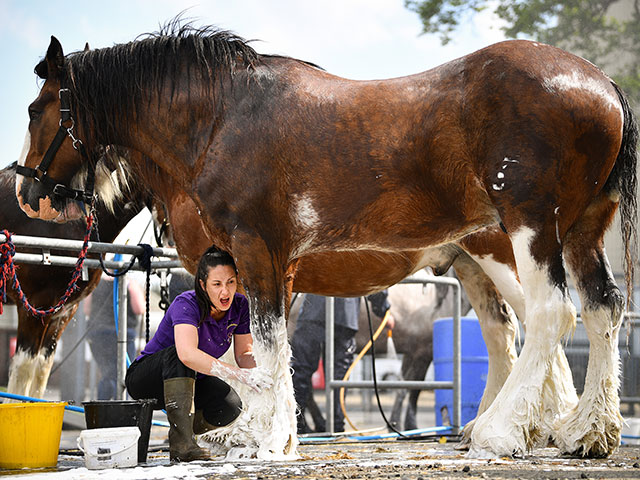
x,y
419,457
433,457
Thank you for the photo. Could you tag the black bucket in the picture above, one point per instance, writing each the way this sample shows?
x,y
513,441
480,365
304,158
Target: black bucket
x,y
122,413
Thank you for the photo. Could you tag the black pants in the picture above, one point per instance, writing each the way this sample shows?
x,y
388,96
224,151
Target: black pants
x,y
220,404
307,346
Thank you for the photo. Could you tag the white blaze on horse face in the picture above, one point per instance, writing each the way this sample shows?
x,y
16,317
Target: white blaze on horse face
x,y
23,158
578,81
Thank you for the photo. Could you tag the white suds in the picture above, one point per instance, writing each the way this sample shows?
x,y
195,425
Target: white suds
x,y
266,428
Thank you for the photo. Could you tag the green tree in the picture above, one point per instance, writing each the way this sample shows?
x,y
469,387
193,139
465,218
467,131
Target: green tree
x,y
605,32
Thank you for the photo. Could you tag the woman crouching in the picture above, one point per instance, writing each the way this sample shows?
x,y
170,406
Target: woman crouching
x,y
180,368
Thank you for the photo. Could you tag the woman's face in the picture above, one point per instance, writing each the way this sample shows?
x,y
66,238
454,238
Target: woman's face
x,y
221,286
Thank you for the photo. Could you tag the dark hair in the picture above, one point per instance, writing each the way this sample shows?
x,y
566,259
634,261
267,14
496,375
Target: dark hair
x,y
210,259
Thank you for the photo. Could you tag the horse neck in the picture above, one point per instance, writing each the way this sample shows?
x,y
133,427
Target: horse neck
x,y
159,131
158,182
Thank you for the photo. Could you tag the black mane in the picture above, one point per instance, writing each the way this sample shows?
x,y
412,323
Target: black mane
x,y
107,85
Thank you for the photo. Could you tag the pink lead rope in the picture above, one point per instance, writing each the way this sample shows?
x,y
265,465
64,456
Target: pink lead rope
x,y
8,271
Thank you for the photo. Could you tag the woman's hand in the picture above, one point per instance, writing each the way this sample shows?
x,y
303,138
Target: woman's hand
x,y
258,379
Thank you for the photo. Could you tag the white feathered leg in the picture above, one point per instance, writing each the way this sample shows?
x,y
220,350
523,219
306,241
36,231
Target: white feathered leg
x,y
22,372
266,428
513,424
593,427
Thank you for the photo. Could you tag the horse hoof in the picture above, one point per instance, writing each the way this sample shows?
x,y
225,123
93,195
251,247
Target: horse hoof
x,y
581,452
463,445
599,439
593,445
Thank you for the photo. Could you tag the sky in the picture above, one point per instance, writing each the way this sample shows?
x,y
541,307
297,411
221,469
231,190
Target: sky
x,y
358,39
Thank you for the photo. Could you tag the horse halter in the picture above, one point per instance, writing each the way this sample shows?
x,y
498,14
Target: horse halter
x,y
39,173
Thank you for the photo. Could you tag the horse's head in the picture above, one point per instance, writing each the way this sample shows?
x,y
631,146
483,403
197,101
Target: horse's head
x,y
51,165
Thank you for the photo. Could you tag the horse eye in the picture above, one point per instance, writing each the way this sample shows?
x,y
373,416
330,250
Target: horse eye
x,y
34,114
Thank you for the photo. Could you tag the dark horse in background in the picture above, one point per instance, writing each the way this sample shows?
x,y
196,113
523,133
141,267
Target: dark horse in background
x,y
37,338
284,160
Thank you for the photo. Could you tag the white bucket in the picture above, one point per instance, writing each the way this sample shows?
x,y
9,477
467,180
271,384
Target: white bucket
x,y
109,447
631,431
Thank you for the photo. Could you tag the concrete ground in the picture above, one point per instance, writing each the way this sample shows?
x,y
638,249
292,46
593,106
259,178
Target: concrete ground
x,y
422,456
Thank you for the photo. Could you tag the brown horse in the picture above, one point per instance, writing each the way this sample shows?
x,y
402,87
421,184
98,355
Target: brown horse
x,y
284,160
44,285
483,262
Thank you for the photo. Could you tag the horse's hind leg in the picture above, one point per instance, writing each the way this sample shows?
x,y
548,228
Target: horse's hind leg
x,y
418,365
593,427
396,412
499,327
498,324
512,424
407,374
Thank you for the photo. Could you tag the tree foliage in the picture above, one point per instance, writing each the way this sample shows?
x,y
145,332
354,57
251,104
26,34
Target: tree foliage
x,y
605,32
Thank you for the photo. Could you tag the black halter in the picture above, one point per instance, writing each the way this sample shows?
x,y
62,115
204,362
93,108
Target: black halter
x,y
40,172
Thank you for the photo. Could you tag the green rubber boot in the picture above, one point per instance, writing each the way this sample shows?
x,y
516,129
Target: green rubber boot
x,y
178,401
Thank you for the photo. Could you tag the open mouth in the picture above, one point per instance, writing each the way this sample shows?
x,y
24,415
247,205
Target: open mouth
x,y
225,302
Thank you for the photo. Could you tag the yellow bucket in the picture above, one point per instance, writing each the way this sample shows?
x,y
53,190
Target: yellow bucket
x,y
30,434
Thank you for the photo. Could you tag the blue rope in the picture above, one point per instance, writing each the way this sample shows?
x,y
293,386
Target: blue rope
x,y
407,433
72,408
13,396
118,257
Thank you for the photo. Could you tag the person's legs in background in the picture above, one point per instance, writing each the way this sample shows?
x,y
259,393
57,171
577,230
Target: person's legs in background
x,y
344,351
306,348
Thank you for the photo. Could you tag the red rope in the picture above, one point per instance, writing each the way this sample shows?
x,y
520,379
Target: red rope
x,y
8,272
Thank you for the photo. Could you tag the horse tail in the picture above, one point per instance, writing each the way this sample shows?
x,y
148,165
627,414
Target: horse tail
x,y
623,180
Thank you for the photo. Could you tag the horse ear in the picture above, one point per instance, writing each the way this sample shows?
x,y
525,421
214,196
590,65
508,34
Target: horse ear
x,y
41,69
54,58
86,47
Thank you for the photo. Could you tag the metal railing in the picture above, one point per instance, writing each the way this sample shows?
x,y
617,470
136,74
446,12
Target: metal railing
x,y
46,258
455,384
47,244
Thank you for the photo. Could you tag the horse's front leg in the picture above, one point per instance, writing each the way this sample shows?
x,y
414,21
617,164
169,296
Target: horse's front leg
x,y
499,326
273,411
35,347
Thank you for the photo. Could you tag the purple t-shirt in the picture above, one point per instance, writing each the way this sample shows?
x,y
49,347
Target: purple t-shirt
x,y
214,336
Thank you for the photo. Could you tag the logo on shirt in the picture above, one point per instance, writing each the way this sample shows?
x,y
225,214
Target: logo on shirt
x,y
230,329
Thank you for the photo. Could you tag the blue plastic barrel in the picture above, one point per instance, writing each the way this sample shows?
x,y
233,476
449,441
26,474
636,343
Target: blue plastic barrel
x,y
474,366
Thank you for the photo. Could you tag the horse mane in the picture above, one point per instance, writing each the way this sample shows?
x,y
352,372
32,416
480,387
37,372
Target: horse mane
x,y
108,88
108,84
